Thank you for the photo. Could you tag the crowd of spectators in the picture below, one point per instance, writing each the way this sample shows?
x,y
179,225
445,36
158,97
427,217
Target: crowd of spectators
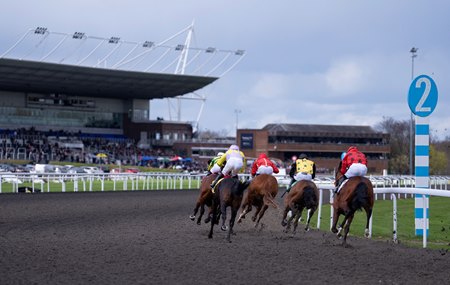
x,y
42,147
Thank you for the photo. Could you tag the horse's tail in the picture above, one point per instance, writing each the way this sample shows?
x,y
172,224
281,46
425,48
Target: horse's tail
x,y
268,200
361,197
309,197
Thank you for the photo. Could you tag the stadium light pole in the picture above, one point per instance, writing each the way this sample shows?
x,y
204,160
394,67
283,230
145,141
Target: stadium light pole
x,y
413,52
237,111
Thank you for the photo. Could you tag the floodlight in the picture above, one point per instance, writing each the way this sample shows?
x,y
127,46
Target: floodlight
x,y
179,47
40,30
210,50
239,52
148,44
114,40
78,35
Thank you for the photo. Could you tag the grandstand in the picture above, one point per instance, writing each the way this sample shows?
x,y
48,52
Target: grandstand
x,y
322,143
101,88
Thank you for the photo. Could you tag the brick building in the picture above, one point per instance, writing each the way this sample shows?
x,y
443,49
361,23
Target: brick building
x,y
322,143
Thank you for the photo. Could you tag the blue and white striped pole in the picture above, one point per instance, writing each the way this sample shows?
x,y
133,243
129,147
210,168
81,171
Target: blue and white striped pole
x,y
422,171
422,100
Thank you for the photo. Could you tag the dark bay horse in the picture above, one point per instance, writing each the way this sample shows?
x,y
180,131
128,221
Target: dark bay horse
x,y
303,194
261,193
204,198
227,193
355,194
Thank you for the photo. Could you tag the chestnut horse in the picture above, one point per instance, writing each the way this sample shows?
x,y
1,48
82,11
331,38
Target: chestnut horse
x,y
303,194
261,192
355,194
204,198
227,193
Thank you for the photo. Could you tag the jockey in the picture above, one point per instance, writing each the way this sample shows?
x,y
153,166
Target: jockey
x,y
263,165
354,163
212,164
233,161
302,169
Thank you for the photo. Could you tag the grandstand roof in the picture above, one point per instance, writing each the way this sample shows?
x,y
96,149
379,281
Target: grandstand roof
x,y
44,77
320,129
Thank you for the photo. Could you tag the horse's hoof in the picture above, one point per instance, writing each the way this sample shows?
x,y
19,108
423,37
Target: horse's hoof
x,y
209,236
239,221
334,230
253,219
223,228
283,223
192,217
199,223
366,233
306,229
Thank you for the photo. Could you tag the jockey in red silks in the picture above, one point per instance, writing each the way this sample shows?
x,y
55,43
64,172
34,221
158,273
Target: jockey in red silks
x,y
354,163
263,165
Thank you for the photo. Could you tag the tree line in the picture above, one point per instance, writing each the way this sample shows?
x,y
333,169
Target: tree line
x,y
399,131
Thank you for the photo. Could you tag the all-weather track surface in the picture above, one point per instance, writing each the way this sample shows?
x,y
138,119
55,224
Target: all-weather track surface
x,y
146,237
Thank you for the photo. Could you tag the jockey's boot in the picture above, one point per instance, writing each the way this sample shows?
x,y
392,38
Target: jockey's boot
x,y
339,182
217,179
290,185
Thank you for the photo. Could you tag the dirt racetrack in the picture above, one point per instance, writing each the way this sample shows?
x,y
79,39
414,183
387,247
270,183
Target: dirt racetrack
x,y
146,237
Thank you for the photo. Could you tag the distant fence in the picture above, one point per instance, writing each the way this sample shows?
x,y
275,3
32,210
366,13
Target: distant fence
x,y
64,182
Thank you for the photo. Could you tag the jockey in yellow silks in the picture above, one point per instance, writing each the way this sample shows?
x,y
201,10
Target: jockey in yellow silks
x,y
232,162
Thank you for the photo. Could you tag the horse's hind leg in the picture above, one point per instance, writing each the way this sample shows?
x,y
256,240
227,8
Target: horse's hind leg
x,y
192,217
245,209
311,213
347,228
261,214
283,220
297,216
231,224
202,211
335,220
214,209
258,209
368,215
223,211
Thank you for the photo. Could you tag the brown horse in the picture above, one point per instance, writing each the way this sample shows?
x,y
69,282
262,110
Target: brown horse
x,y
227,193
261,192
355,194
204,198
303,194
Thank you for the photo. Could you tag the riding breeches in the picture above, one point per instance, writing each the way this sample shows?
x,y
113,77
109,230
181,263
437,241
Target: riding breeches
x,y
233,165
215,169
265,169
303,176
356,169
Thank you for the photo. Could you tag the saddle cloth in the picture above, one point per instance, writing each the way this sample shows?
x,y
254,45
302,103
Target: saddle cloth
x,y
342,185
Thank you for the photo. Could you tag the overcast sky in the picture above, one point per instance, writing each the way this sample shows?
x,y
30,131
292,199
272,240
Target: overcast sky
x,y
306,62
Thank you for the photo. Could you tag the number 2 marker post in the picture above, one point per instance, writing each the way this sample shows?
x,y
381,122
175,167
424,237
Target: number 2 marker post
x,y
422,100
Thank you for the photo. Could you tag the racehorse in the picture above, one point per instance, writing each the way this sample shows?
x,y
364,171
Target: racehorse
x,y
303,194
204,198
355,194
261,192
227,193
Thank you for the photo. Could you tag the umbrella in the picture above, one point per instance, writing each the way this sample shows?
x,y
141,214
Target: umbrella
x,y
101,155
176,158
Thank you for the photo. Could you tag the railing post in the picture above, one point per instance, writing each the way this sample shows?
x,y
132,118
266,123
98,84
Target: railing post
x,y
394,218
